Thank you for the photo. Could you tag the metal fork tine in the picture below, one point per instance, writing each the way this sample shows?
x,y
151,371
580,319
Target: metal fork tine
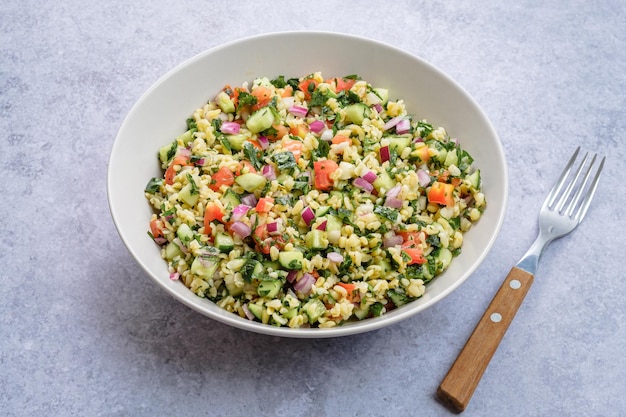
x,y
592,189
576,199
566,194
559,184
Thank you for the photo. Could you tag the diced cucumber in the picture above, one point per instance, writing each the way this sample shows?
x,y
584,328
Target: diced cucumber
x,y
384,181
204,266
290,313
361,313
399,142
225,103
316,239
397,297
172,251
224,242
357,112
384,265
383,93
321,211
167,152
188,196
269,288
260,120
271,265
451,158
231,285
251,269
314,309
474,179
291,259
236,141
230,199
256,309
184,233
251,182
444,257
186,137
333,228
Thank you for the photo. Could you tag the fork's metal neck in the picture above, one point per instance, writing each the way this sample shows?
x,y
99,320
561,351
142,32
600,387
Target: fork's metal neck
x,y
530,260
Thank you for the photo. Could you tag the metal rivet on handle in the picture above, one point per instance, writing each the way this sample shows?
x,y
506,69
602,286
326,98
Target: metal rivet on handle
x,y
515,284
495,317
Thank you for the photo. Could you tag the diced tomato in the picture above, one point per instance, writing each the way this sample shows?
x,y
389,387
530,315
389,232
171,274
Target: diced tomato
x,y
410,238
170,172
456,181
441,193
294,146
281,131
305,87
287,91
223,176
353,293
344,83
423,154
256,144
263,97
322,170
244,167
299,130
264,205
264,241
338,138
212,212
155,229
416,254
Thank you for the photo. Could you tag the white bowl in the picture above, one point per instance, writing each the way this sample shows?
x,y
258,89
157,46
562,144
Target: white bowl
x,y
160,114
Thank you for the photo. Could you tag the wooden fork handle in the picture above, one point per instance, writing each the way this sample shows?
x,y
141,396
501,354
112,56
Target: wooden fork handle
x,y
459,384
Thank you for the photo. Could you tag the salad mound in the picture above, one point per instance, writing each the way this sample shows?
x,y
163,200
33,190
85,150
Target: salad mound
x,y
310,202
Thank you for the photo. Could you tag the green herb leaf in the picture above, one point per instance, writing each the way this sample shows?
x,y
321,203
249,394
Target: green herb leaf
x,y
153,185
285,161
253,154
387,213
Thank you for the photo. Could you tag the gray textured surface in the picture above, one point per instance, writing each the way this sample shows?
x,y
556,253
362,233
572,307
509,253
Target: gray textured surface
x,y
83,331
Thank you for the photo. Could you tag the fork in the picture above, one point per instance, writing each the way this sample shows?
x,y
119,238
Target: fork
x,y
563,209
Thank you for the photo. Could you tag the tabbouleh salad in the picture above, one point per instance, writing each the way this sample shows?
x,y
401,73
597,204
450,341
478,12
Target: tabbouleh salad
x,y
310,202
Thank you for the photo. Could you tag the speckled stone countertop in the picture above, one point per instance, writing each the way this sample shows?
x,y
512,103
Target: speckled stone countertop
x,y
85,332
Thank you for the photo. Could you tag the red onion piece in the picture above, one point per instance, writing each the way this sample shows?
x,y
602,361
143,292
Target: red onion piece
x,y
264,142
322,225
378,108
230,128
384,154
291,276
423,177
180,245
391,241
298,110
305,283
247,312
272,228
363,184
249,200
369,176
240,229
174,276
394,191
184,152
240,211
393,202
335,257
403,126
392,122
317,126
160,240
308,216
269,172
